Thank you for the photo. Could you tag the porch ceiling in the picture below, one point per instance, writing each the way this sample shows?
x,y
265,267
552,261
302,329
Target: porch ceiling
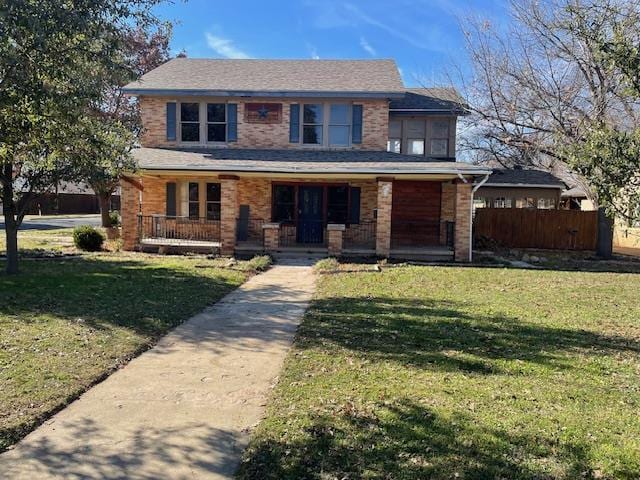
x,y
307,162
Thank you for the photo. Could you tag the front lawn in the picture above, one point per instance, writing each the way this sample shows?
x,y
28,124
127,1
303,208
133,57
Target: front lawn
x,y
470,373
65,324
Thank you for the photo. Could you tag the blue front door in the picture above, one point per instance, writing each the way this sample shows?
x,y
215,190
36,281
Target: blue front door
x,y
310,223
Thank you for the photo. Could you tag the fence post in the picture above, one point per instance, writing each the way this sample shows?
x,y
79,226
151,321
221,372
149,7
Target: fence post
x,y
335,231
604,246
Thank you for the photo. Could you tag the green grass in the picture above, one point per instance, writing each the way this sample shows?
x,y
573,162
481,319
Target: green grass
x,y
470,373
39,241
65,324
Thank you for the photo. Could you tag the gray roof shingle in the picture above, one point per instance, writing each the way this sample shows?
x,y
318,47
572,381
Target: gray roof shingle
x,y
295,161
434,100
515,177
230,75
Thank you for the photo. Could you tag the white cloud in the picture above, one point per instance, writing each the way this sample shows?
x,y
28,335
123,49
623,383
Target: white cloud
x,y
366,46
224,47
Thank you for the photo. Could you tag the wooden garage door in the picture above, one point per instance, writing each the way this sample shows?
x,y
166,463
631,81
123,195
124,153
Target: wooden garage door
x,y
415,213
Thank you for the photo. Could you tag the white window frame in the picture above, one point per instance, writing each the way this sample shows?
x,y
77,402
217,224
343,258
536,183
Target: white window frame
x,y
207,123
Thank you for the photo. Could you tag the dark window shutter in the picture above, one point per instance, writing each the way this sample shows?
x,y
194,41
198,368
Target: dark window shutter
x,y
355,205
232,122
294,124
171,199
356,128
171,121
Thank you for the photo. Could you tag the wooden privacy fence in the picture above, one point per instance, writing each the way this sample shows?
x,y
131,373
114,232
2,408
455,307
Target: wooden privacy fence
x,y
530,228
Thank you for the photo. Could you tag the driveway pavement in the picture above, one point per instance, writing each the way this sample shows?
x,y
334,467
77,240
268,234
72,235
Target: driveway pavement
x,y
184,408
51,222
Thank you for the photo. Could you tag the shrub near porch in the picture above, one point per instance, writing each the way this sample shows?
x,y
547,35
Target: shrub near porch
x,y
422,372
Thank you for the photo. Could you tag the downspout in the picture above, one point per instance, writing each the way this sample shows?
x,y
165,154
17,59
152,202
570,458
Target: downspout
x,y
473,191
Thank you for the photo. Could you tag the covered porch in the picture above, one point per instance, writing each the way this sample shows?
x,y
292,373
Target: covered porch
x,y
345,213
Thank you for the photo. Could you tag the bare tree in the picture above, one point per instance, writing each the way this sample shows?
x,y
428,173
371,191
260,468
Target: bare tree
x,y
538,86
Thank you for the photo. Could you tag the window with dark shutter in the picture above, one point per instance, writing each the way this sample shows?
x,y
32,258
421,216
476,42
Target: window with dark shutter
x,y
337,204
356,131
171,199
171,121
294,124
194,200
232,122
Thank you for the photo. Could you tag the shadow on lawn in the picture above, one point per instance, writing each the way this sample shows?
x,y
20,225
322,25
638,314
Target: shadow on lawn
x,y
443,335
83,450
410,441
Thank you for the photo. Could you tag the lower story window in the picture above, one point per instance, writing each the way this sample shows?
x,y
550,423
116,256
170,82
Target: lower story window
x,y
194,200
213,201
284,203
337,204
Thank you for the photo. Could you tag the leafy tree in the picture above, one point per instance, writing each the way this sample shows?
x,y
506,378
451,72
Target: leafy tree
x,y
56,57
542,89
115,118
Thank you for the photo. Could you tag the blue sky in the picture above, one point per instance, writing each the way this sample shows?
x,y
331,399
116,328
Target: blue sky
x,y
421,35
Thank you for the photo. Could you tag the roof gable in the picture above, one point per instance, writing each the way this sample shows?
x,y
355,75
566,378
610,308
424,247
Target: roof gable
x,y
429,100
230,75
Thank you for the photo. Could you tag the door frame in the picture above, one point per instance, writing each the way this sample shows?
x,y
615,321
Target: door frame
x,y
319,189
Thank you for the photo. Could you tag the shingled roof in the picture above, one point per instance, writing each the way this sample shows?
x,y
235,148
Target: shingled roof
x,y
226,76
507,177
296,161
431,100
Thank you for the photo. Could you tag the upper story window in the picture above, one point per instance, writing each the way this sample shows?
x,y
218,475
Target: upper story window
x,y
440,138
190,122
394,144
216,122
415,137
339,124
312,124
330,125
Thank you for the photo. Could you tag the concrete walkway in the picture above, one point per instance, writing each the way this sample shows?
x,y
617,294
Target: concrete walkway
x,y
184,408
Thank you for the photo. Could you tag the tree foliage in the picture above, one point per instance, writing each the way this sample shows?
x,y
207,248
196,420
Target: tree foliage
x,y
541,88
56,57
113,122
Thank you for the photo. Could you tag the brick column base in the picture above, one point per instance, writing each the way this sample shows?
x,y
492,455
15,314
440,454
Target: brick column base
x,y
271,236
335,232
383,223
129,211
463,223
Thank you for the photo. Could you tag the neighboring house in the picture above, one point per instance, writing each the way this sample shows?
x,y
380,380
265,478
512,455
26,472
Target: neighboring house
x,y
275,154
520,188
70,198
576,199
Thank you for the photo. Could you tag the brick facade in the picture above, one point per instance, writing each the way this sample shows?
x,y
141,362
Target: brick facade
x,y
463,222
383,225
334,242
447,209
375,124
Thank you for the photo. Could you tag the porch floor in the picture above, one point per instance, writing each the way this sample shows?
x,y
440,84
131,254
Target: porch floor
x,y
177,242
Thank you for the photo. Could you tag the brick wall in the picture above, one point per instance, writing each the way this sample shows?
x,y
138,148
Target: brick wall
x,y
255,135
447,208
463,222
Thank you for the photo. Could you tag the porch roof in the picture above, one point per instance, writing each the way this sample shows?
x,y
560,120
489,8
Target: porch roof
x,y
298,161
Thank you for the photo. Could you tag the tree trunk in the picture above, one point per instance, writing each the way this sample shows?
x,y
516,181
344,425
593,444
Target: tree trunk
x,y
604,247
103,199
10,229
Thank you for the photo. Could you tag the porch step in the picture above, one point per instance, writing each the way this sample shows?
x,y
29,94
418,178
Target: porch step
x,y
435,254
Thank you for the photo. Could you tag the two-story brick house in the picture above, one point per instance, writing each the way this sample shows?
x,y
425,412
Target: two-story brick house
x,y
331,155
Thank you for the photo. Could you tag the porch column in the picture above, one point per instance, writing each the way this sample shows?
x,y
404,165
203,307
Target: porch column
x,y
335,232
271,236
463,222
447,209
228,213
383,223
130,191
